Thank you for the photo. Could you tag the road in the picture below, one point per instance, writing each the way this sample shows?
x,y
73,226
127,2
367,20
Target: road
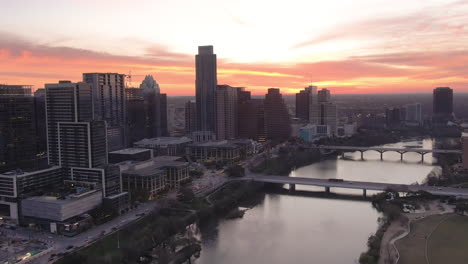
x,y
376,186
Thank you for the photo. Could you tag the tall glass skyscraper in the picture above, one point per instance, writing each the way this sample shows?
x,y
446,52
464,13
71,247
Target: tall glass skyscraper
x,y
206,81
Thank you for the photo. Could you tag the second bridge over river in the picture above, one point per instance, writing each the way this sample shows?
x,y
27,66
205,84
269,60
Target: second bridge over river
x,y
382,150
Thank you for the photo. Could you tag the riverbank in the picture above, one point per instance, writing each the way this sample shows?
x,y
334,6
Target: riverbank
x,y
144,237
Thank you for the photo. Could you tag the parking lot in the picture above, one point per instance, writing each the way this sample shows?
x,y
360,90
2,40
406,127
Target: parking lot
x,y
16,249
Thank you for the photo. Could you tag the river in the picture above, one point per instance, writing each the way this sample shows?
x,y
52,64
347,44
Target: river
x,y
300,229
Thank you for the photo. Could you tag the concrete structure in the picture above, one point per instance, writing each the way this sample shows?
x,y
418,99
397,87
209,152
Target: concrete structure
x,y
226,112
59,209
203,136
311,133
108,93
277,121
303,101
154,176
413,114
323,111
17,185
190,117
205,85
442,108
381,150
65,102
214,151
251,117
135,154
375,186
168,146
464,141
18,145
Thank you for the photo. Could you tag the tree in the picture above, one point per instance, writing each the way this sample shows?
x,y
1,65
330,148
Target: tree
x,y
185,194
235,171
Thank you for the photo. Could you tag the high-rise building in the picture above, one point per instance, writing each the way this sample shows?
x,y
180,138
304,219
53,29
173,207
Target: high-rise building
x,y
251,116
149,85
17,128
65,102
108,91
156,114
393,117
136,115
226,112
413,113
277,121
190,117
442,104
205,84
323,111
303,101
40,121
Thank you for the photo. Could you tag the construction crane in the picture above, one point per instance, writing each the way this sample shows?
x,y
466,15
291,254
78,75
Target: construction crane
x,y
129,78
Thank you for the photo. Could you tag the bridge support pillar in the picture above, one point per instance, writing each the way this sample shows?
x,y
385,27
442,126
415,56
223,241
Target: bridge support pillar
x,y
401,156
381,155
292,187
422,157
364,193
362,155
327,189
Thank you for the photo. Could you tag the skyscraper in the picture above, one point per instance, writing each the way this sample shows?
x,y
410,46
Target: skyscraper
x,y
149,85
413,113
108,92
226,112
40,121
303,101
65,102
442,104
277,121
190,117
323,111
251,117
17,127
205,85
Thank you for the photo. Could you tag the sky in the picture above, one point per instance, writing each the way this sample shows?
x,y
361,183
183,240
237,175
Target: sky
x,y
347,46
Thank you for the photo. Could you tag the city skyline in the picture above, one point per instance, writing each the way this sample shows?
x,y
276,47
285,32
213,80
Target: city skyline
x,y
400,47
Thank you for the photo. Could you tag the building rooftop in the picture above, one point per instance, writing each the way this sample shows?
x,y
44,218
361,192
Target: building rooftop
x,y
66,199
152,166
22,173
129,151
164,141
217,143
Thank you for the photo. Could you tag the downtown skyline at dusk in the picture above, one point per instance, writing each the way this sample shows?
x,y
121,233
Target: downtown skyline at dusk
x,y
347,47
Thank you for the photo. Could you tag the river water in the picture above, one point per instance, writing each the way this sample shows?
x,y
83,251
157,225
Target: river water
x,y
301,229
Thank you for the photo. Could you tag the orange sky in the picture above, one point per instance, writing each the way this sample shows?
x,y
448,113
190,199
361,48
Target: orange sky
x,y
412,51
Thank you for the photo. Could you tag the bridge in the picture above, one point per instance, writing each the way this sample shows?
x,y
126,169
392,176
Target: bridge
x,y
382,150
374,186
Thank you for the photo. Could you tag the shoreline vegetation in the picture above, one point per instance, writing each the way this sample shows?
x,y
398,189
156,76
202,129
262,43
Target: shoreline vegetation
x,y
154,238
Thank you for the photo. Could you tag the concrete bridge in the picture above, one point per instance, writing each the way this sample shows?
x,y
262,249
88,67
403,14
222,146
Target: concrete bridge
x,y
382,150
338,183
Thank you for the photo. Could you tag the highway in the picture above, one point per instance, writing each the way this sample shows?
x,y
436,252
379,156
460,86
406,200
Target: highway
x,y
375,186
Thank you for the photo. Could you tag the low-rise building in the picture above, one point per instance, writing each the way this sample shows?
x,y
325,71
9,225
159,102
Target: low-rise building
x,y
214,151
311,133
151,177
165,146
137,154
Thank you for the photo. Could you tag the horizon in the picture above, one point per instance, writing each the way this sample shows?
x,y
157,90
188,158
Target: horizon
x,y
402,47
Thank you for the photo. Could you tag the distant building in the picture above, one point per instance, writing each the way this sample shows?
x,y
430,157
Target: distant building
x,y
311,132
323,111
413,114
203,136
18,146
226,112
347,130
251,117
190,117
442,104
108,93
133,154
136,117
205,85
464,141
166,146
214,151
149,85
303,101
392,117
277,121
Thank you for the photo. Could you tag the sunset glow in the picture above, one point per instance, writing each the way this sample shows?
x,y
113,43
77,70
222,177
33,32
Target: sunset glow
x,y
372,46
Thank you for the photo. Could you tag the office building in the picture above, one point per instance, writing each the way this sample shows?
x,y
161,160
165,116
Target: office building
x,y
108,93
18,146
205,85
413,114
65,102
133,154
149,85
190,117
442,107
323,96
392,117
277,121
303,101
214,151
323,111
166,146
251,117
311,133
156,115
226,112
136,117
40,121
